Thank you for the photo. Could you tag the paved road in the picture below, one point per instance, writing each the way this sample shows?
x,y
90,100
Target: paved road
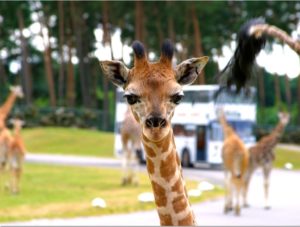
x,y
284,198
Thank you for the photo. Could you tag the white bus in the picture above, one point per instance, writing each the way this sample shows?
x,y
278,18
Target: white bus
x,y
198,134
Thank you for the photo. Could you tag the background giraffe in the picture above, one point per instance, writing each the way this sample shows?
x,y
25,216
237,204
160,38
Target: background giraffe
x,y
262,155
5,135
235,159
153,90
5,143
132,144
16,156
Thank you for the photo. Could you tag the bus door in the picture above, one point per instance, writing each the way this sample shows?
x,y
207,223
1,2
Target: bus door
x,y
201,143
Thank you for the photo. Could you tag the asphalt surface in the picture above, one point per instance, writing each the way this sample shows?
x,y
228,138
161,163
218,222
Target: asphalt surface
x,y
284,199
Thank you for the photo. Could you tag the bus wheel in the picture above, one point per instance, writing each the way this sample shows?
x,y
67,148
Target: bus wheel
x,y
185,159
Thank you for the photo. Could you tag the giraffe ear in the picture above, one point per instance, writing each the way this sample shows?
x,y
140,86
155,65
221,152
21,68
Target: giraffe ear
x,y
116,71
188,71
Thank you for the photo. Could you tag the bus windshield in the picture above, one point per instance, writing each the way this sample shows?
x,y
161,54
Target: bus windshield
x,y
197,96
243,128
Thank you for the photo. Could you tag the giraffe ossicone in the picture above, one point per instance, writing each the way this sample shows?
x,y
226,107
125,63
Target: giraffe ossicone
x,y
153,90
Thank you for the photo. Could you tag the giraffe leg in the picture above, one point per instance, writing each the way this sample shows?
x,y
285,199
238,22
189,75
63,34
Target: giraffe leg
x,y
228,195
245,189
238,186
135,168
266,172
16,180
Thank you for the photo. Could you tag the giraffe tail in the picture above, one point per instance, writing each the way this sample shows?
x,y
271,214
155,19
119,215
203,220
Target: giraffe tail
x,y
240,66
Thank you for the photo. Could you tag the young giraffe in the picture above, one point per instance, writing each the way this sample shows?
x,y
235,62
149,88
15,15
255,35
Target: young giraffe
x,y
262,155
16,156
131,143
235,159
153,90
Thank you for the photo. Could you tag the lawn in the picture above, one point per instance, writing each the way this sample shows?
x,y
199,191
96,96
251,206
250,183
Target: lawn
x,y
284,156
71,141
57,191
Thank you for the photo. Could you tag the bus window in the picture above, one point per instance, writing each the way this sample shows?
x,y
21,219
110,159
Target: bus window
x,y
243,129
197,96
215,132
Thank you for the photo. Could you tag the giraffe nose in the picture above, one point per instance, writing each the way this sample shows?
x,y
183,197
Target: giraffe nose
x,y
154,122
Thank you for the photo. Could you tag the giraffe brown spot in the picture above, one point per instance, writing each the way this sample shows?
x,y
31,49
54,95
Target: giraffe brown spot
x,y
180,203
149,151
188,220
165,146
165,219
150,166
159,194
168,167
178,186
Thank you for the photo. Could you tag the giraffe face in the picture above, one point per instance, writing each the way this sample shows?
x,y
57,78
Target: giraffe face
x,y
284,117
153,98
17,90
153,89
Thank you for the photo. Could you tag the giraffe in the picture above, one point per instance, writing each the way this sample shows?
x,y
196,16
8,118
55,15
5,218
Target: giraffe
x,y
16,156
5,136
131,143
262,155
15,92
153,90
235,159
5,142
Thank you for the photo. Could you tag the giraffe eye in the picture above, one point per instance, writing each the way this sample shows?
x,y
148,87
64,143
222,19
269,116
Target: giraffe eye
x,y
132,99
176,98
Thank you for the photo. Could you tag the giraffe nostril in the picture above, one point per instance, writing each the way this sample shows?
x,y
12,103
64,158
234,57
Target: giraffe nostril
x,y
154,122
163,123
149,123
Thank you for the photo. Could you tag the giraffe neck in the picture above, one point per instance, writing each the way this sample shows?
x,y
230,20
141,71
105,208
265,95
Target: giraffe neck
x,y
227,129
165,173
278,130
8,104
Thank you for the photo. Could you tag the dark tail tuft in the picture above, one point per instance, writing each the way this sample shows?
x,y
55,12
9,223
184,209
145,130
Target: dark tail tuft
x,y
240,65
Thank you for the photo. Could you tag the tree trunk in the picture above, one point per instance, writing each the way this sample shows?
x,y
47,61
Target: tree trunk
x,y
106,41
158,25
48,61
288,92
78,25
61,81
139,21
3,80
26,69
171,32
261,88
197,41
298,98
277,90
70,89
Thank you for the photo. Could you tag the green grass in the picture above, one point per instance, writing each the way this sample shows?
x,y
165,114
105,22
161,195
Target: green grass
x,y
70,141
57,191
283,156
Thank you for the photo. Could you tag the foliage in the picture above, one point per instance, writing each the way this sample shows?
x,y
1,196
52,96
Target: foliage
x,y
57,191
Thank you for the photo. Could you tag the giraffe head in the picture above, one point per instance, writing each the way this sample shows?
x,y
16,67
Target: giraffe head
x,y
17,90
153,89
284,117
